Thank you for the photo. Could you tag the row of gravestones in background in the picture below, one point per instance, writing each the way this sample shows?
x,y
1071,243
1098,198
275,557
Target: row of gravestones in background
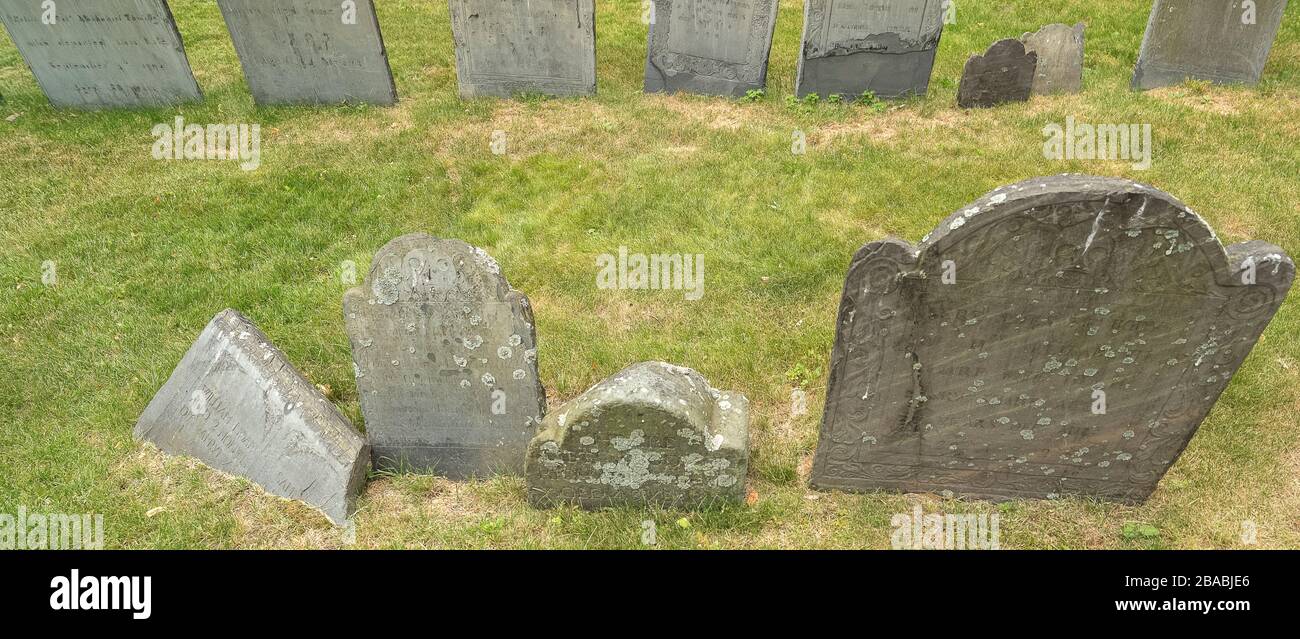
x,y
119,53
1063,335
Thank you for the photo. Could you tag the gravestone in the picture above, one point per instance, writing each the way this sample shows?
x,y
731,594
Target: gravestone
x,y
653,434
714,47
1222,41
1004,74
92,54
446,360
1059,48
854,46
310,51
540,46
238,405
1064,335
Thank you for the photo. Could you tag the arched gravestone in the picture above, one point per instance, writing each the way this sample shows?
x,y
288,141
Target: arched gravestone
x,y
1222,41
93,54
446,360
310,51
1064,335
1005,73
715,47
539,46
854,46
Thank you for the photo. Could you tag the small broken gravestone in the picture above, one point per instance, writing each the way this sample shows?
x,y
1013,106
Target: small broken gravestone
x,y
852,47
310,51
237,404
1004,74
446,360
509,48
653,434
1063,335
1222,41
1059,48
102,54
713,47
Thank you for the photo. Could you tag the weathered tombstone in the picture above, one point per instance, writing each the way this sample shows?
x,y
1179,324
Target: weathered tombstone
x,y
310,51
1004,74
1059,48
539,46
1064,335
1222,41
446,360
715,47
851,47
653,434
92,54
235,403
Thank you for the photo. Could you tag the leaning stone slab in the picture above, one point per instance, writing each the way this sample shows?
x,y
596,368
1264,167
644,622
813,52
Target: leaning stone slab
x,y
1003,74
446,360
653,434
1215,40
1061,336
102,54
235,403
713,47
540,46
851,47
310,51
1059,48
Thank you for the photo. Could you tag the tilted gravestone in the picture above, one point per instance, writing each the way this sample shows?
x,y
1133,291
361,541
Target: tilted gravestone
x,y
1059,48
235,403
1222,41
1064,335
714,47
851,47
540,46
93,54
653,433
446,360
310,51
1003,74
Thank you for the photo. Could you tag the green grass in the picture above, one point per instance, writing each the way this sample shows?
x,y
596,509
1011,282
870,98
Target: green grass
x,y
148,251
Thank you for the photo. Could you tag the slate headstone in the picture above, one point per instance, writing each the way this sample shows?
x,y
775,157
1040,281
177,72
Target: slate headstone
x,y
1222,41
1064,335
714,47
93,54
446,360
235,403
851,47
1003,74
653,434
509,48
1059,48
310,51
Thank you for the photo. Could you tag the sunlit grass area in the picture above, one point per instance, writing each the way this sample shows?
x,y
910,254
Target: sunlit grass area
x,y
148,251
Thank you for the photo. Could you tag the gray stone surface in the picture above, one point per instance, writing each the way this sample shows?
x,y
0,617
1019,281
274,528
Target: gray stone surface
x,y
985,383
446,360
235,403
103,53
303,52
714,47
653,434
1206,40
1003,74
854,46
540,46
1060,58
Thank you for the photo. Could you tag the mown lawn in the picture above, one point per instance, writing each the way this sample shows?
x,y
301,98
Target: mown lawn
x,y
147,251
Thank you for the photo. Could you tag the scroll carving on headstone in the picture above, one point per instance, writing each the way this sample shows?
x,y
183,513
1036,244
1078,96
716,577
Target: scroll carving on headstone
x,y
714,47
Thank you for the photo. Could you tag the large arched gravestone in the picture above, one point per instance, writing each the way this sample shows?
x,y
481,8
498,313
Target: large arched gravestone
x,y
1222,41
1064,335
717,47
446,360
